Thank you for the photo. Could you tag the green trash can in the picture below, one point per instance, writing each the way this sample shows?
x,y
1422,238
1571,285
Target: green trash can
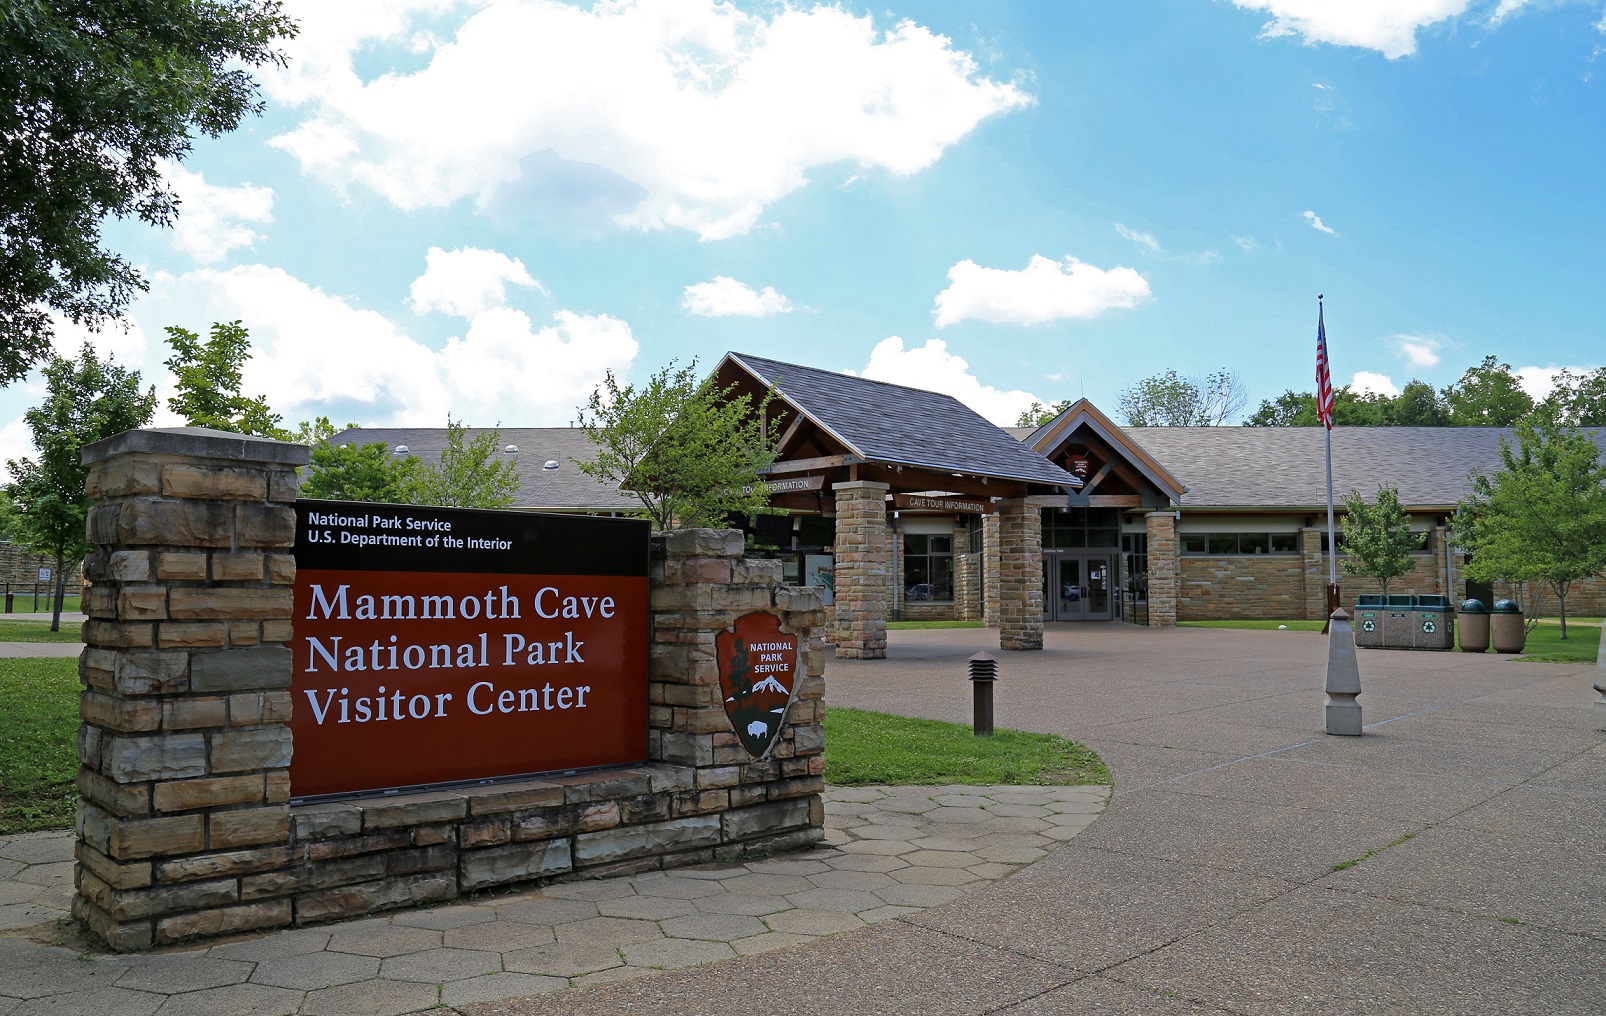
x,y
1432,623
1474,617
1508,628
1369,621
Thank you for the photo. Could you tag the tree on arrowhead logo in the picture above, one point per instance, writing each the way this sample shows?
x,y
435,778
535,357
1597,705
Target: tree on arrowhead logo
x,y
757,672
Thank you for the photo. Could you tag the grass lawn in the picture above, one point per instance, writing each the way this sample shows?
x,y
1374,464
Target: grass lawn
x,y
864,747
1255,625
917,625
1545,644
38,631
23,603
38,744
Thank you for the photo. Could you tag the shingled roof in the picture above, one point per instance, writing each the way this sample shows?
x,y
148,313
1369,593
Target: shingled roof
x,y
1283,467
562,489
890,423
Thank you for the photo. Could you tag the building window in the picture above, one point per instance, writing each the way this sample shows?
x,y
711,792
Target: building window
x,y
928,568
1217,544
976,537
1081,527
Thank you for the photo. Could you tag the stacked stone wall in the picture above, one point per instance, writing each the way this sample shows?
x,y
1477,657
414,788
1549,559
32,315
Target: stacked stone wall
x,y
967,586
1020,574
1164,579
185,824
19,569
990,568
864,574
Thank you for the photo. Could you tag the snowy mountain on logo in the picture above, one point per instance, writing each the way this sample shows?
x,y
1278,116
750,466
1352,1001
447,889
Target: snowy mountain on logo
x,y
770,684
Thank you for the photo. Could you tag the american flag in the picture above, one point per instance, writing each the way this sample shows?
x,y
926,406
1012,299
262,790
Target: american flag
x,y
1324,377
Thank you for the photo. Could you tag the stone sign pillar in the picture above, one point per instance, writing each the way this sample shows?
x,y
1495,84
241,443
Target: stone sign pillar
x,y
863,569
1164,581
1020,574
184,747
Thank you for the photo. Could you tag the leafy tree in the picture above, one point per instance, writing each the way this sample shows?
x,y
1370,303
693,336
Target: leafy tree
x,y
1541,517
693,453
209,379
102,93
353,471
1577,401
467,476
44,504
1377,538
1487,395
1171,400
1416,406
1039,415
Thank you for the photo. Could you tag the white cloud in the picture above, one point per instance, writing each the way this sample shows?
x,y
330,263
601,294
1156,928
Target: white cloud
x,y
1136,236
935,369
725,297
1506,7
211,219
466,281
122,339
1317,224
16,442
315,353
689,114
1388,26
1045,290
1418,350
1539,381
1372,383
1247,244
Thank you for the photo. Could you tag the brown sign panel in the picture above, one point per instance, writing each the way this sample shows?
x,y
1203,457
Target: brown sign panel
x,y
441,645
757,672
964,505
795,483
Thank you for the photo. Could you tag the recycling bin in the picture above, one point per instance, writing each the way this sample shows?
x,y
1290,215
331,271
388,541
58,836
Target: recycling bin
x,y
1474,618
1368,623
1432,623
1508,628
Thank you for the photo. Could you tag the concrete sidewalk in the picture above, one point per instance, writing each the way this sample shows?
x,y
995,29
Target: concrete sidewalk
x,y
1449,861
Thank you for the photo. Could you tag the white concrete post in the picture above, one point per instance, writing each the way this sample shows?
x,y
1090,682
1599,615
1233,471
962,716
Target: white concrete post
x,y
1343,713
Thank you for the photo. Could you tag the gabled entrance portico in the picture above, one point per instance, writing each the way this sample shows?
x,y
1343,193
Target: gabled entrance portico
x,y
869,442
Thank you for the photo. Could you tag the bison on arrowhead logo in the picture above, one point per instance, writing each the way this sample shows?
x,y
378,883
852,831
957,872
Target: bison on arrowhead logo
x,y
757,671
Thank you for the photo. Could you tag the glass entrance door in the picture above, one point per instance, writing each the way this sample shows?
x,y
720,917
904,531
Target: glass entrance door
x,y
1078,586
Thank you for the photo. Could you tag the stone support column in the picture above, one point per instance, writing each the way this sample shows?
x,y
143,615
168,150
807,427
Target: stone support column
x,y
863,570
990,608
967,574
184,748
1164,570
1315,562
1020,574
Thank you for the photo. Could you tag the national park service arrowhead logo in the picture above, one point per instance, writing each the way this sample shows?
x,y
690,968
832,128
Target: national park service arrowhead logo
x,y
757,672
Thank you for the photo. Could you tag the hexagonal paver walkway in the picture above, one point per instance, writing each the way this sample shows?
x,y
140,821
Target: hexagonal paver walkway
x,y
888,852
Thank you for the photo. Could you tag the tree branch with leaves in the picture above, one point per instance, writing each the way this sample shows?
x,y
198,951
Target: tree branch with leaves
x,y
1378,541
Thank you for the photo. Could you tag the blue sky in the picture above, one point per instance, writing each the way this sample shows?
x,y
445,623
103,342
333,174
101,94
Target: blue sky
x,y
476,208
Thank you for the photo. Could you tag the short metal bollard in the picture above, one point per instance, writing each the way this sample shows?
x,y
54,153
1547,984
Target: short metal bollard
x,y
983,672
1343,713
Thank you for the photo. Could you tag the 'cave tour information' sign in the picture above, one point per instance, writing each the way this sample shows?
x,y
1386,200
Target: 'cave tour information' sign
x,y
436,645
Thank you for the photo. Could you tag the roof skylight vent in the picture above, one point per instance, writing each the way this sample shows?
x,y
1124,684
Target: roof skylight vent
x,y
550,464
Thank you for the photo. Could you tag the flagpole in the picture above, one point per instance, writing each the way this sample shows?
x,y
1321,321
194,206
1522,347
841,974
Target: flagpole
x,y
1324,387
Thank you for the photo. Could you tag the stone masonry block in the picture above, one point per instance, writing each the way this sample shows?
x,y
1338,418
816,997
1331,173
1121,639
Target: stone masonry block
x,y
122,477
162,757
233,670
479,869
626,842
283,485
217,603
140,603
248,827
114,712
509,797
151,522
151,673
216,792
221,483
194,713
193,635
179,566
156,837
348,901
122,800
222,864
115,874
281,569
412,809
704,542
118,634
238,751
223,921
242,567
265,525
129,566
320,821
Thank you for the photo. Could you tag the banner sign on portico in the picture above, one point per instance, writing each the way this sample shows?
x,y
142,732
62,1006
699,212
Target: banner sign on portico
x,y
443,645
